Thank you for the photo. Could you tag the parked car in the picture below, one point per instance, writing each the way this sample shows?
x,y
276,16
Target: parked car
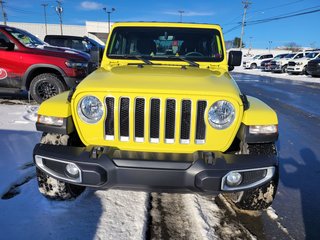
x,y
27,63
280,65
299,66
84,44
256,61
160,121
313,67
266,64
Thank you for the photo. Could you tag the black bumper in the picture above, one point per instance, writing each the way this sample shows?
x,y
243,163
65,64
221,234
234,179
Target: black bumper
x,y
111,168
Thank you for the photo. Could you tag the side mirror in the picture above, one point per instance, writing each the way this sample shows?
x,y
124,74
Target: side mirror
x,y
234,59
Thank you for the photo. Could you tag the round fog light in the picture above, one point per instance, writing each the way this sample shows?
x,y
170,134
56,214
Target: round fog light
x,y
234,179
72,169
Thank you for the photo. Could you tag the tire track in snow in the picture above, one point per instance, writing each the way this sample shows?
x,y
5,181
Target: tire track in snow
x,y
191,216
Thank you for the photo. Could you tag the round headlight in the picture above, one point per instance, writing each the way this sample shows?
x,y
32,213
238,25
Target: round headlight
x,y
221,114
90,109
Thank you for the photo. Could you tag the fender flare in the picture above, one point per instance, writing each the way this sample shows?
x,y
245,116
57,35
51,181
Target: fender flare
x,y
35,67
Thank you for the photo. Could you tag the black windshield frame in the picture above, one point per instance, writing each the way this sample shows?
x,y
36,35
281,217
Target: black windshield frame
x,y
175,35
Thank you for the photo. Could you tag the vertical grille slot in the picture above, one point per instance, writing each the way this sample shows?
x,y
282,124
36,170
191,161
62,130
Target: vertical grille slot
x,y
201,126
154,120
185,121
139,120
170,120
124,119
109,124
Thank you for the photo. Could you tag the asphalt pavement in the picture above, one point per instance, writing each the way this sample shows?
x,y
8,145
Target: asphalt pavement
x,y
298,107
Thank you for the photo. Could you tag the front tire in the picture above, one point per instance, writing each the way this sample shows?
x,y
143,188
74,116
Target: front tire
x,y
50,187
261,197
284,69
253,66
45,86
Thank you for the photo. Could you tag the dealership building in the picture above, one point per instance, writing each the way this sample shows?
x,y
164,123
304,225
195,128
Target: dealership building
x,y
95,30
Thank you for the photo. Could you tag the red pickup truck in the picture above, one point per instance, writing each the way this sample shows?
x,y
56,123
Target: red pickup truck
x,y
27,63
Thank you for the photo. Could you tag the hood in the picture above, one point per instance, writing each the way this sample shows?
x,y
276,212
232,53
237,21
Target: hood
x,y
61,52
161,79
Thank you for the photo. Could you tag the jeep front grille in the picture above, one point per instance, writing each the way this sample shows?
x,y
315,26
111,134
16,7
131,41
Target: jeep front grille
x,y
147,115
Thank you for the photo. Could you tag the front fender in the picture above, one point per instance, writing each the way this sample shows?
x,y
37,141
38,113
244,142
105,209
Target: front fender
x,y
57,106
259,113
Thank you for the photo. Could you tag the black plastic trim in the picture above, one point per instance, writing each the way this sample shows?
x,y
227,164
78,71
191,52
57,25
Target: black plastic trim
x,y
177,174
66,128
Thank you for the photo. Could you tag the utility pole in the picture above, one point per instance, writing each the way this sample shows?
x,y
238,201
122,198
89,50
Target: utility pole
x,y
59,11
45,16
109,12
270,42
4,14
246,4
181,12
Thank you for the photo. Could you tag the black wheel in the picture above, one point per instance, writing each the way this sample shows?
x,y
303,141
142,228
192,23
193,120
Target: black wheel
x,y
253,66
45,86
284,69
51,187
261,197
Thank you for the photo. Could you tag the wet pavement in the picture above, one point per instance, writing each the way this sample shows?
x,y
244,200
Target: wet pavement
x,y
298,109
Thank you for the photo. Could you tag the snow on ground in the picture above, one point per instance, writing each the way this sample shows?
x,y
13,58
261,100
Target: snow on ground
x,y
26,214
302,78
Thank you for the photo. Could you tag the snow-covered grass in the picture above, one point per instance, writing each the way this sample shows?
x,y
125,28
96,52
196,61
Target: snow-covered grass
x,y
258,72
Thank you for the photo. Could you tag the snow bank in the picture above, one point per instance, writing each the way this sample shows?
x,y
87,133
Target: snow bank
x,y
258,72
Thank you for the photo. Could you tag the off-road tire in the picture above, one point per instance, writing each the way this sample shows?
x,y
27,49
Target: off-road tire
x,y
253,66
51,187
261,197
46,85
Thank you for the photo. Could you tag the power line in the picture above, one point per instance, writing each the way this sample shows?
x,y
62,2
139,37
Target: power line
x,y
279,17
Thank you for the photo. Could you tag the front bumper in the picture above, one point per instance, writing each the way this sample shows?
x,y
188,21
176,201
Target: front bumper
x,y
111,168
295,69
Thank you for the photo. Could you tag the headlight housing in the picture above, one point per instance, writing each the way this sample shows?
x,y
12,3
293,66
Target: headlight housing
x,y
75,64
90,109
221,114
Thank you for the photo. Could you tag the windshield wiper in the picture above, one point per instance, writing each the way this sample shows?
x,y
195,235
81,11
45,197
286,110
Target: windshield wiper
x,y
139,57
191,63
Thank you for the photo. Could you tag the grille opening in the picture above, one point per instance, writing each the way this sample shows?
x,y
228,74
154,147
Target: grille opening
x,y
185,120
201,125
155,119
124,117
139,118
109,124
170,118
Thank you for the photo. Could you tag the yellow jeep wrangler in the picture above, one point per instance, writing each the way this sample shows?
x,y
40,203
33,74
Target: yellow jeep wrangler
x,y
162,113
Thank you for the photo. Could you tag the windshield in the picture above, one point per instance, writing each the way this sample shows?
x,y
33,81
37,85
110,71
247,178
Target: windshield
x,y
256,57
312,55
27,39
290,55
280,56
169,43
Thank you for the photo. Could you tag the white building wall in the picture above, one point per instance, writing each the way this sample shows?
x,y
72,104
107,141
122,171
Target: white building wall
x,y
91,29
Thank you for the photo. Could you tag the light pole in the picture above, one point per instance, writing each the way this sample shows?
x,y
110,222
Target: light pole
x,y
59,11
181,12
45,16
4,14
109,12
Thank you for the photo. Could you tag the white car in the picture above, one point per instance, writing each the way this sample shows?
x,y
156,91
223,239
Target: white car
x,y
281,65
255,62
300,65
